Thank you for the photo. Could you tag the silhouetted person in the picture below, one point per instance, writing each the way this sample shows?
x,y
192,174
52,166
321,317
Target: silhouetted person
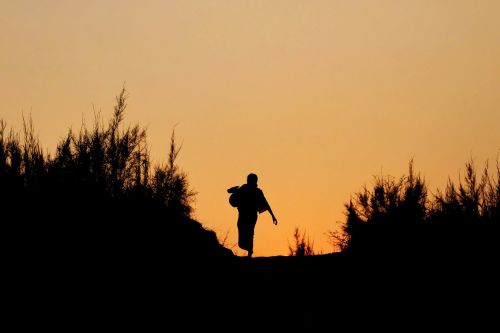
x,y
250,201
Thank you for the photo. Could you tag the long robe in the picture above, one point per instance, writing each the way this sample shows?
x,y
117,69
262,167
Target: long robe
x,y
251,202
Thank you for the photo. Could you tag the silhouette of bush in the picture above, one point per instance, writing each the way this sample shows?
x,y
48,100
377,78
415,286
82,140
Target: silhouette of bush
x,y
339,240
302,247
397,217
98,197
467,216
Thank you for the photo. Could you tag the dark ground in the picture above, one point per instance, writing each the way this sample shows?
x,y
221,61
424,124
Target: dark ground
x,y
280,294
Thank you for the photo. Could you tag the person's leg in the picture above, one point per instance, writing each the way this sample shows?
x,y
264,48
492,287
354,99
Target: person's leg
x,y
251,231
242,231
242,238
246,227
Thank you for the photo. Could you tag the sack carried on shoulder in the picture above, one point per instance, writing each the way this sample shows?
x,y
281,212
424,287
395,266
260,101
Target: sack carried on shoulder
x,y
234,198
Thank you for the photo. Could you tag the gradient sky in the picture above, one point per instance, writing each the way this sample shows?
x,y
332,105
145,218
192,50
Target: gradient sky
x,y
315,97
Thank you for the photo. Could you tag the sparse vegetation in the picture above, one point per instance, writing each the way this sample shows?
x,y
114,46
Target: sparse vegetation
x,y
397,216
302,246
98,195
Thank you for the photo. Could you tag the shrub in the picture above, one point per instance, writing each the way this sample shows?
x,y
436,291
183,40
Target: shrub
x,y
302,247
397,217
98,195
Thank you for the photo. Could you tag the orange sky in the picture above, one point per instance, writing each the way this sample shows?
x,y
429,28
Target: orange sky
x,y
315,97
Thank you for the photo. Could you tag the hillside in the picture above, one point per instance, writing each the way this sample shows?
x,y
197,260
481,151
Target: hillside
x,y
96,236
263,293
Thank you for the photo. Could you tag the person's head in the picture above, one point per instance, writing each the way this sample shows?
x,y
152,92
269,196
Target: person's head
x,y
252,179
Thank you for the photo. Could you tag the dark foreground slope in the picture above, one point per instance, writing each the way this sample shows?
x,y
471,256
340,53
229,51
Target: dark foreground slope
x,y
309,294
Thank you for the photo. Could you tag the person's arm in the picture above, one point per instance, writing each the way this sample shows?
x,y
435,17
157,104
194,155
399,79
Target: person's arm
x,y
233,189
267,207
275,221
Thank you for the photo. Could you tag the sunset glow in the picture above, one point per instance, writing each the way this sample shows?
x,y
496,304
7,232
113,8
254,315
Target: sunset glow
x,y
315,97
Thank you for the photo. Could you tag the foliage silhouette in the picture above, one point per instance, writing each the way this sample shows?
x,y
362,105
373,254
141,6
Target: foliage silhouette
x,y
98,203
97,199
397,217
302,246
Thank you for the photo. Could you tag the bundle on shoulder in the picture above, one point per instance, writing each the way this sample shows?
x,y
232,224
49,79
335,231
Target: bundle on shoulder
x,y
234,198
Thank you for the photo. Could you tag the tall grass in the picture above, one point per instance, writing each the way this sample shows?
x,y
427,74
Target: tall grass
x,y
397,216
98,194
302,245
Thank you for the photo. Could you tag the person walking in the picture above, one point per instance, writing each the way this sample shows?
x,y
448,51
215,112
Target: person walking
x,y
250,201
